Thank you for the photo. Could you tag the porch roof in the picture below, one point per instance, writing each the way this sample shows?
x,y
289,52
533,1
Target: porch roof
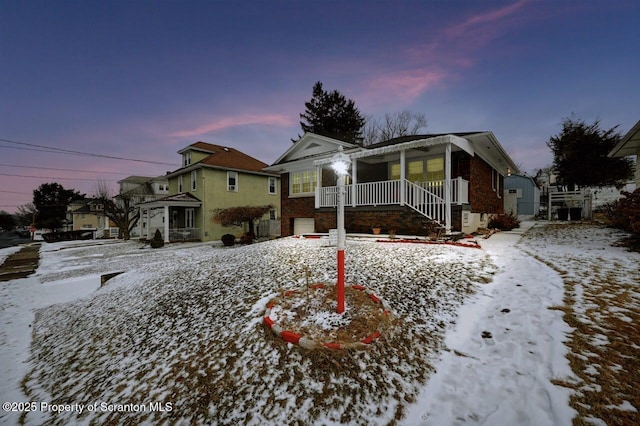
x,y
630,143
184,199
420,143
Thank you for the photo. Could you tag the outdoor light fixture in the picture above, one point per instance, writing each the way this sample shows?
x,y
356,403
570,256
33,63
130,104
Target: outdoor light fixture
x,y
340,163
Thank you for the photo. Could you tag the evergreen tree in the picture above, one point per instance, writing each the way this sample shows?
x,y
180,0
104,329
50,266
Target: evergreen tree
x,y
580,156
51,201
331,114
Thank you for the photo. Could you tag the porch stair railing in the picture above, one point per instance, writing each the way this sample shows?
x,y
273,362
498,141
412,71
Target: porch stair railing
x,y
425,202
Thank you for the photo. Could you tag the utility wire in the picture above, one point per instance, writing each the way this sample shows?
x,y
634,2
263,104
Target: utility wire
x,y
62,170
53,177
15,192
72,152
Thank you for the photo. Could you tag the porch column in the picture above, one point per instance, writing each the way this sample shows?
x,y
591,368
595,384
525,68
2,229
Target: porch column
x,y
354,181
140,220
447,188
166,224
148,224
403,190
318,185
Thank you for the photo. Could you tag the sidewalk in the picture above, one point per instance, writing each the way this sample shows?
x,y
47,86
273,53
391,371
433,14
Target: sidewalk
x,y
504,350
21,264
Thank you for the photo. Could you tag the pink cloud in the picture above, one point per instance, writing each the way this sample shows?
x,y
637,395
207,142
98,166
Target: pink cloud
x,y
234,121
406,85
455,48
486,24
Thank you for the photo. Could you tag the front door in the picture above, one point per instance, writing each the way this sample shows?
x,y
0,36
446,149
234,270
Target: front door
x,y
188,218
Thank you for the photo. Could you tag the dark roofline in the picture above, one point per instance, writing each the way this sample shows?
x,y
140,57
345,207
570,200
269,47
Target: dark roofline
x,y
409,138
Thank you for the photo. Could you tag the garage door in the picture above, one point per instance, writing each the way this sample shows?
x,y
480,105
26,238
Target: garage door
x,y
303,225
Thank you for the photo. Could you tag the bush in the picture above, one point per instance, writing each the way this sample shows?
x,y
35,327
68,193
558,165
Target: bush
x,y
504,222
157,241
228,239
625,213
246,239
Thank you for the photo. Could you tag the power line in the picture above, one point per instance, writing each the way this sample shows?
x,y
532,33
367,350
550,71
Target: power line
x,y
50,149
62,170
53,177
15,192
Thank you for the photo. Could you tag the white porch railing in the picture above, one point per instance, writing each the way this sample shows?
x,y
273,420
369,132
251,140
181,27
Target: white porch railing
x,y
427,198
177,234
182,234
388,192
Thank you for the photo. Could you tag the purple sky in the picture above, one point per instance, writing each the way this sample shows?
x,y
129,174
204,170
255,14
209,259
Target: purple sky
x,y
142,79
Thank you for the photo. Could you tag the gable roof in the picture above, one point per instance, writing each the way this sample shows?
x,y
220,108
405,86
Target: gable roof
x,y
630,143
223,157
311,145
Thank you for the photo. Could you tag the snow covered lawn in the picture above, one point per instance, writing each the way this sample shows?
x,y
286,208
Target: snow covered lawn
x,y
479,336
183,326
602,305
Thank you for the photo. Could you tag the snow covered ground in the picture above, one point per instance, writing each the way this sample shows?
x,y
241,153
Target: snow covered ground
x,y
178,336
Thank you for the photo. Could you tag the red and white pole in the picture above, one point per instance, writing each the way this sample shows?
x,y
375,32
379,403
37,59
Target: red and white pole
x,y
341,244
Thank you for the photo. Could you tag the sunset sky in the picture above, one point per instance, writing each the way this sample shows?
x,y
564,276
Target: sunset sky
x,y
141,80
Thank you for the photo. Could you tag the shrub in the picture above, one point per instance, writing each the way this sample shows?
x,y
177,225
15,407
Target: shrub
x,y
625,213
246,239
157,241
228,239
504,222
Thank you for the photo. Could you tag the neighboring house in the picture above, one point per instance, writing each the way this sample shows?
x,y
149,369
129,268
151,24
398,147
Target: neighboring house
x,y
455,180
88,215
630,146
213,177
143,189
521,196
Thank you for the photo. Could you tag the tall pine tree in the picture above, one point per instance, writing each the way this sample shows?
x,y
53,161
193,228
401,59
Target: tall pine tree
x,y
580,156
332,114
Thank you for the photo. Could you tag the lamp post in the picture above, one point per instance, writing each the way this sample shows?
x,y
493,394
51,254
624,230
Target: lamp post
x,y
340,163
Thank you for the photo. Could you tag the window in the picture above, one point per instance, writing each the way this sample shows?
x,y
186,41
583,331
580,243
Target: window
x,y
194,176
179,184
272,185
495,181
232,181
394,172
303,182
435,169
273,214
186,158
416,171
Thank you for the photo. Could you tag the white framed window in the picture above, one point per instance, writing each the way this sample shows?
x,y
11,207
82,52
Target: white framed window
x,y
435,169
303,182
416,171
272,185
194,179
186,158
180,184
273,214
232,181
495,181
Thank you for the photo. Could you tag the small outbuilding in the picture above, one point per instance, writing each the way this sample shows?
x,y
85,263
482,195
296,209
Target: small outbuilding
x,y
521,196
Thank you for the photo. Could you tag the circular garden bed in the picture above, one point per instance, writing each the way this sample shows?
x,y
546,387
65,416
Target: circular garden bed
x,y
308,317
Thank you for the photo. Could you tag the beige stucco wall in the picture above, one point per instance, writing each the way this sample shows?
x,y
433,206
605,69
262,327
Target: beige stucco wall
x,y
211,189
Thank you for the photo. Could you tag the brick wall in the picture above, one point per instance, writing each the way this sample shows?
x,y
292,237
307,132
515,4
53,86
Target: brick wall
x,y
291,208
482,197
362,219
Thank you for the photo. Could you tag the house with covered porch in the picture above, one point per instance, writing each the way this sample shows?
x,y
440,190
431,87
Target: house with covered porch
x,y
212,177
409,185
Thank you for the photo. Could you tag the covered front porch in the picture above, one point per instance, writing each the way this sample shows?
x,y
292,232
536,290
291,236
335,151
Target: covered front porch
x,y
418,174
178,214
